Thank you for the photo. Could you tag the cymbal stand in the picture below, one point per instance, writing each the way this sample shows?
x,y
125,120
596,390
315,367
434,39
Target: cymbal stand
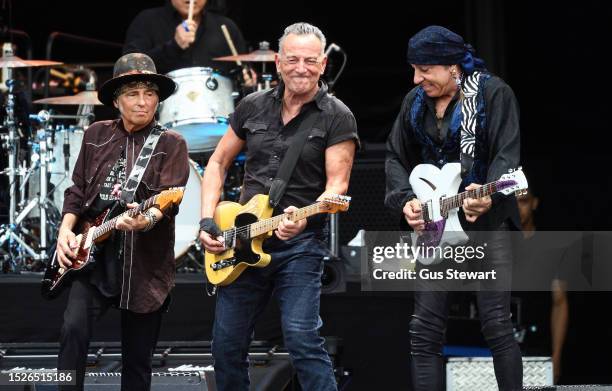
x,y
10,232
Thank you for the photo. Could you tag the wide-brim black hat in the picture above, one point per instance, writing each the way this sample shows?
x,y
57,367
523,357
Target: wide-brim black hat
x,y
135,67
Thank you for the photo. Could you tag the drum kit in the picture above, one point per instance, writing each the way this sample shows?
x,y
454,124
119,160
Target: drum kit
x,y
37,179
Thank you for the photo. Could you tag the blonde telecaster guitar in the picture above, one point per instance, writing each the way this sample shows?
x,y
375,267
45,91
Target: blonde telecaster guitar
x,y
246,226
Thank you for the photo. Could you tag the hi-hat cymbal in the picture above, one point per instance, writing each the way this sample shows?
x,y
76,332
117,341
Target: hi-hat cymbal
x,y
82,98
17,62
256,56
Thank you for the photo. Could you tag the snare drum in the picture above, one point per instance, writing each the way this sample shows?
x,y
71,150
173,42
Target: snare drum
x,y
186,222
200,108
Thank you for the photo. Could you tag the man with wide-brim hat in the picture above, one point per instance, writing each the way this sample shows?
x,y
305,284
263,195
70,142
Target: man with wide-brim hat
x,y
134,269
135,67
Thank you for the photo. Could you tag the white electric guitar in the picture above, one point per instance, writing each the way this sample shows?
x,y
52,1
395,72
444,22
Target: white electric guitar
x,y
437,190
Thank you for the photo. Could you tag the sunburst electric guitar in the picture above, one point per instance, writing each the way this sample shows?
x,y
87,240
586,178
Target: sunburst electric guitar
x,y
57,276
245,228
437,190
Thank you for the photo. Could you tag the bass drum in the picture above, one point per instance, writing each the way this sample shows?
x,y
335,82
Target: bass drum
x,y
186,222
200,107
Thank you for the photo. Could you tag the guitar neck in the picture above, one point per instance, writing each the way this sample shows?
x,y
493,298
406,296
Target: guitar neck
x,y
270,224
456,201
109,225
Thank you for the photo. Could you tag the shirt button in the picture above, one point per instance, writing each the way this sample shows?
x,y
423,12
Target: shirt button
x,y
87,204
440,150
271,179
441,161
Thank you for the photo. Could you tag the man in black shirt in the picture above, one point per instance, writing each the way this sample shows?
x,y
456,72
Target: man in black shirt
x,y
262,123
173,43
458,113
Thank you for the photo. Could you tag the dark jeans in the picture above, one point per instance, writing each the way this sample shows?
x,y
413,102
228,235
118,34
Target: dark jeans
x,y
428,324
293,277
139,334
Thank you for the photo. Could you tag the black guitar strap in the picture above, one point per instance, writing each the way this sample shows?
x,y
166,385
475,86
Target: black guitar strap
x,y
140,166
304,122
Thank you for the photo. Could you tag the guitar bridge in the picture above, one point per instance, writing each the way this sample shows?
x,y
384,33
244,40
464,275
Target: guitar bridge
x,y
222,264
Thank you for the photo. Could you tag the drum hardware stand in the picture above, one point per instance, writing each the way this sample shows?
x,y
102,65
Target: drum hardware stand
x,y
264,45
85,113
266,77
193,265
11,231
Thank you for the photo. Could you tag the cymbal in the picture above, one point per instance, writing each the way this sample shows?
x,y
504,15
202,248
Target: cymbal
x,y
256,56
82,98
17,62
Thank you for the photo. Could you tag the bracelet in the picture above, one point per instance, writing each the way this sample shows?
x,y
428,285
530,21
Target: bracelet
x,y
150,216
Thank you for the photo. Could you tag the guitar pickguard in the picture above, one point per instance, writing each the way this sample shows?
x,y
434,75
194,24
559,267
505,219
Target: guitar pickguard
x,y
243,251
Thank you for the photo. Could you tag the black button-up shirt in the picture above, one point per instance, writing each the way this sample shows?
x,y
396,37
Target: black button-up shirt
x,y
258,120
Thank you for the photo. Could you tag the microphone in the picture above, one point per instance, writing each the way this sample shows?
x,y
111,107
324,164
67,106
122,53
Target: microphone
x,y
334,47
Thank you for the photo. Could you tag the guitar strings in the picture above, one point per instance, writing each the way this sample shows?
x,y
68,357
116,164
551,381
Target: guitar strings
x,y
247,228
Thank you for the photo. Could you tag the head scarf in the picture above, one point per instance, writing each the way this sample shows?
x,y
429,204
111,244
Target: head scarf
x,y
436,45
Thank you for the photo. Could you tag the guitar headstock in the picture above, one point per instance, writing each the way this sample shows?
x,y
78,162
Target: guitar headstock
x,y
336,203
513,182
172,196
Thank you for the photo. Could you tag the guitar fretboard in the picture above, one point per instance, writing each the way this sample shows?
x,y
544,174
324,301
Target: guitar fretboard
x,y
109,225
270,224
456,201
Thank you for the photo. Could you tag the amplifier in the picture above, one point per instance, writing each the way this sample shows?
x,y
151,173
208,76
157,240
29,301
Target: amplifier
x,y
367,189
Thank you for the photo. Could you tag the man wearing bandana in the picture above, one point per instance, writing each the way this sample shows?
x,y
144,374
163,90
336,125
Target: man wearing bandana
x,y
134,269
451,86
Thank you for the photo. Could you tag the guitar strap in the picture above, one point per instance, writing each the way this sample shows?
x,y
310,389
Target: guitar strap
x,y
469,110
304,122
140,166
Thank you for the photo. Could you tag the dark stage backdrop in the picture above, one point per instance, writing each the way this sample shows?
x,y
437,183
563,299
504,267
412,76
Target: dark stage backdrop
x,y
550,54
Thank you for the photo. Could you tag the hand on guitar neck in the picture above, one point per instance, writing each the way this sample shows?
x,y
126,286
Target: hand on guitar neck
x,y
287,228
472,207
138,222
